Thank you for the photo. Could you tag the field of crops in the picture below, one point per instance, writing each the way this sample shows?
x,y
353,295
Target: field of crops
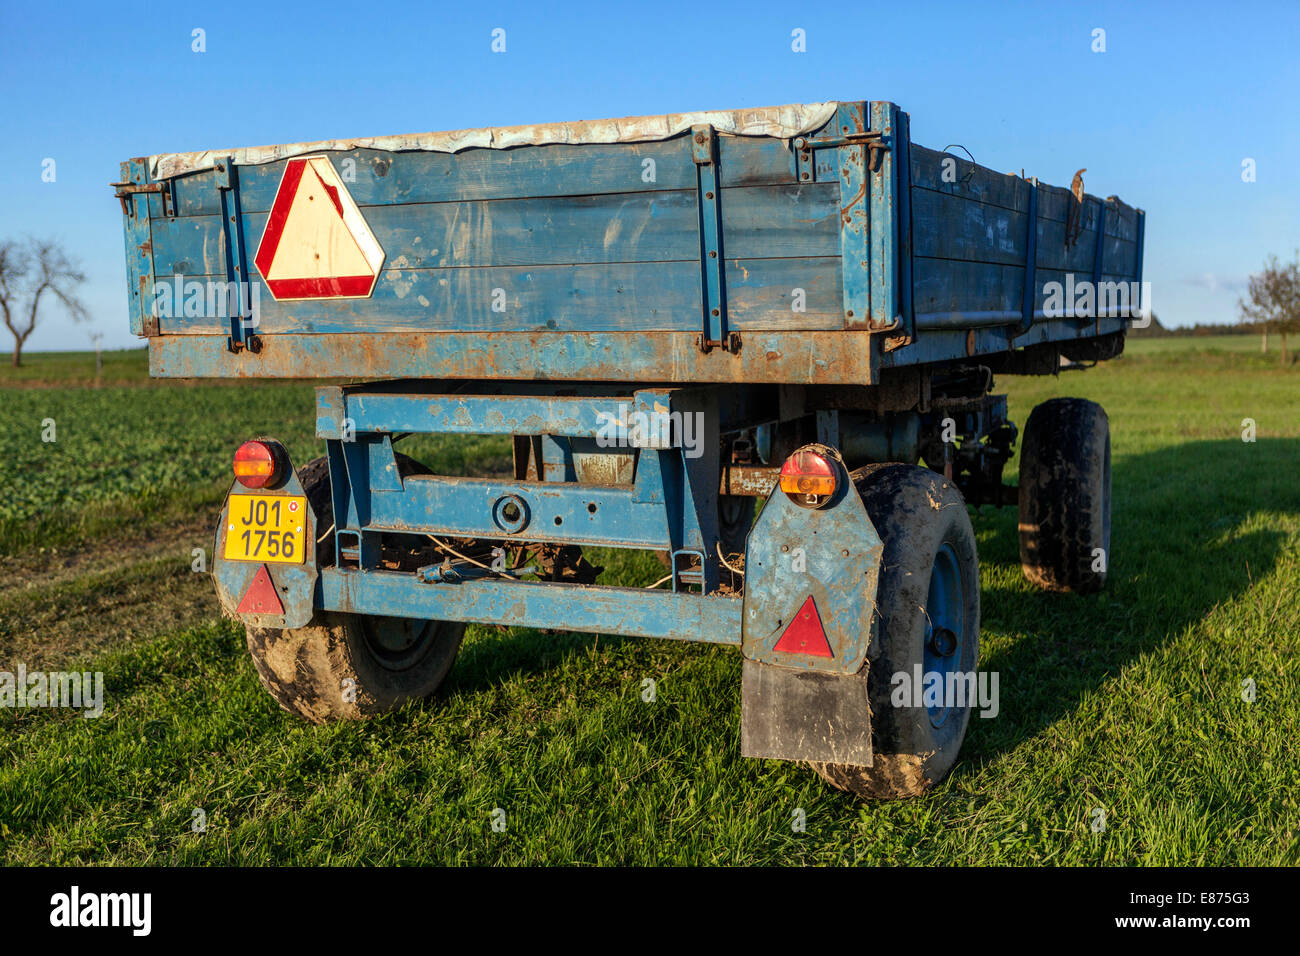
x,y
1130,703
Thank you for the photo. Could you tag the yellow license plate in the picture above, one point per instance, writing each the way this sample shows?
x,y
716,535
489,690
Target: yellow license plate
x,y
266,528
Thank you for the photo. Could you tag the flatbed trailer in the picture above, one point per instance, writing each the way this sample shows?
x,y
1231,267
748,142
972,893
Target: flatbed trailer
x,y
673,318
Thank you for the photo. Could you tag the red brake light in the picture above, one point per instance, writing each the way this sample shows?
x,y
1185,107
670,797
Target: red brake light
x,y
808,478
256,465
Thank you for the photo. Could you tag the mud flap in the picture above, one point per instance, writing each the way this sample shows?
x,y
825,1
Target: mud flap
x,y
294,584
810,597
792,714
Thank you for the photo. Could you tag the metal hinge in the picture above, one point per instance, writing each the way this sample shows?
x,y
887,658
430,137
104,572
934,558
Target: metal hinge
x,y
731,343
125,190
875,142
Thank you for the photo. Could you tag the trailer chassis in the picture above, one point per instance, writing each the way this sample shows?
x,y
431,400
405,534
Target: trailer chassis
x,y
667,469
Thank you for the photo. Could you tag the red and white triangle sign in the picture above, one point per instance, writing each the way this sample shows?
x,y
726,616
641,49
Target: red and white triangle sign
x,y
316,244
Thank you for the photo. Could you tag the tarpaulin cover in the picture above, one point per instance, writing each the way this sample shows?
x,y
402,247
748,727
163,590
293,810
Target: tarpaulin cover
x,y
780,122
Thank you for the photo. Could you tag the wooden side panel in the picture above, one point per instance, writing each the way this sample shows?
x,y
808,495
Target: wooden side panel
x,y
971,237
621,297
759,222
139,250
591,246
592,238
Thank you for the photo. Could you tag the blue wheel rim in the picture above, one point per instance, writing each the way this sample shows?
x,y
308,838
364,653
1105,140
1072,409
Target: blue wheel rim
x,y
945,627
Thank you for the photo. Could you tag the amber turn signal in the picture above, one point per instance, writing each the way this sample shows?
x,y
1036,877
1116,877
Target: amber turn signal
x,y
808,478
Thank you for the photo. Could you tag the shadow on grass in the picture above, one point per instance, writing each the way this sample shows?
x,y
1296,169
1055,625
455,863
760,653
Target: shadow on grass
x,y
519,652
1181,545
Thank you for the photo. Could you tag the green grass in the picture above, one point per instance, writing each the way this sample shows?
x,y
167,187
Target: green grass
x,y
84,459
1233,344
60,369
1129,701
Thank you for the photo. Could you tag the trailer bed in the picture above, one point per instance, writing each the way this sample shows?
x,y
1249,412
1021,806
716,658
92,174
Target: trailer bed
x,y
810,244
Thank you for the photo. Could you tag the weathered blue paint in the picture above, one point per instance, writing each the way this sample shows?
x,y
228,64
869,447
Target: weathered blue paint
x,y
554,298
855,224
558,512
811,357
1141,237
759,222
235,256
1031,260
139,249
384,178
631,612
944,626
610,272
624,267
669,502
713,288
473,414
944,344
566,294
884,205
1099,251
903,172
805,358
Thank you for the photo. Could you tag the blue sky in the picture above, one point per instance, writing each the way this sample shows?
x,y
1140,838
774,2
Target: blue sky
x,y
1163,118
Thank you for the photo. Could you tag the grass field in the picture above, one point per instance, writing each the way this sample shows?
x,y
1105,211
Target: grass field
x,y
1130,702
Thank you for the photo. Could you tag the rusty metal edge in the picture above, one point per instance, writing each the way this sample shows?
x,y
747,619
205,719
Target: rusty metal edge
x,y
803,357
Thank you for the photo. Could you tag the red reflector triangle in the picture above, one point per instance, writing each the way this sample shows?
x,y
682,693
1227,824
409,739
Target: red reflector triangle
x,y
805,634
260,598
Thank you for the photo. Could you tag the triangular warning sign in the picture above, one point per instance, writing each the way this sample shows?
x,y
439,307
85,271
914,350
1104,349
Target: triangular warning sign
x,y
316,244
805,634
260,598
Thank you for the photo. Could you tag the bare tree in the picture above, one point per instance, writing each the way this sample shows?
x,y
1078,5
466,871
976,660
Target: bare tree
x,y
29,272
1274,300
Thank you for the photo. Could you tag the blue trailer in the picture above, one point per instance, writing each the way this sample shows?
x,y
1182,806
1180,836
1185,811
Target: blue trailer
x,y
674,319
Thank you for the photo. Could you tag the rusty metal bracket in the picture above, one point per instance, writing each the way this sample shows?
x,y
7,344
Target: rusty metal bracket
x,y
1031,262
124,191
713,284
232,229
875,142
731,343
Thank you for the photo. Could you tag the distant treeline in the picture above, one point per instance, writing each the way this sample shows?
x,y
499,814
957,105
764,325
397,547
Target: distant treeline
x,y
1157,331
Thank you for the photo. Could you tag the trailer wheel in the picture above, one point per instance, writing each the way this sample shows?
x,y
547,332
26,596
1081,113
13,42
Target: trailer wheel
x,y
353,666
1065,496
348,666
735,521
928,614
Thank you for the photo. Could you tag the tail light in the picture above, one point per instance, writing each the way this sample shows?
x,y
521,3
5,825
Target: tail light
x,y
256,465
809,478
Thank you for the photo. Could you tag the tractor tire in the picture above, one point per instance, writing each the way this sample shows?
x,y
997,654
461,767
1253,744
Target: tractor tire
x,y
927,614
1065,496
349,666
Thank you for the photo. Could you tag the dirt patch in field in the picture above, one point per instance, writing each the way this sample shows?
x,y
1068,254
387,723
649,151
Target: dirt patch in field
x,y
58,606
45,567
